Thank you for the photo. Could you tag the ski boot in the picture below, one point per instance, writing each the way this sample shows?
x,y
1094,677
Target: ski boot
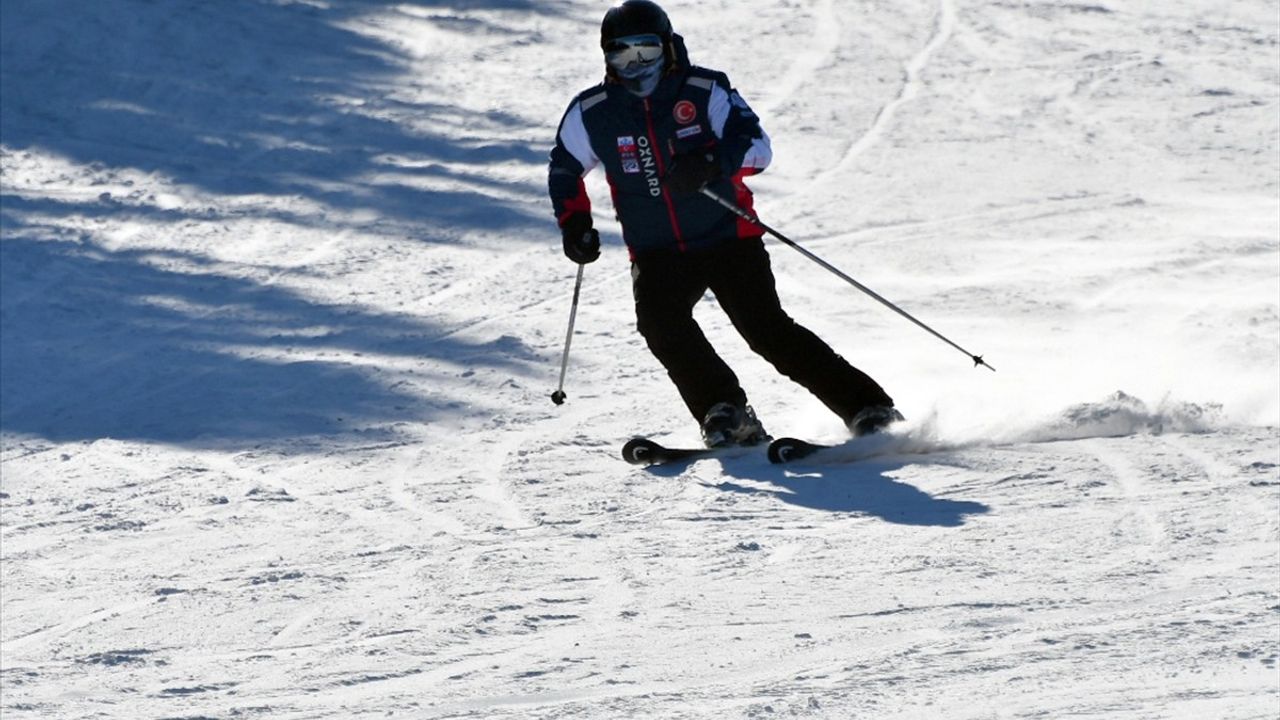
x,y
727,424
873,419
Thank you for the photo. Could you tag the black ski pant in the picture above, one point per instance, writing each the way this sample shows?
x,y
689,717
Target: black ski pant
x,y
667,285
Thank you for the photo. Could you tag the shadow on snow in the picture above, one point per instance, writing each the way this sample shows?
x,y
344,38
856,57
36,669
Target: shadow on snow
x,y
237,97
864,488
257,97
113,346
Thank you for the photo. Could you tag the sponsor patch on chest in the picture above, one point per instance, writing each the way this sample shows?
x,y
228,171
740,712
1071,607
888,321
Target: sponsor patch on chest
x,y
689,131
629,154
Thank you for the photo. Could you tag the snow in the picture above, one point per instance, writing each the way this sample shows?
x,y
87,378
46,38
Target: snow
x,y
283,306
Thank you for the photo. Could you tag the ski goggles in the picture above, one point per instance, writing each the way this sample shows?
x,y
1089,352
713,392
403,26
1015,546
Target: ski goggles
x,y
633,52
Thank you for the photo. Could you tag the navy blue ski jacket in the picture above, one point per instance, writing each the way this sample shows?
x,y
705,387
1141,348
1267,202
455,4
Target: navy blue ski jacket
x,y
635,138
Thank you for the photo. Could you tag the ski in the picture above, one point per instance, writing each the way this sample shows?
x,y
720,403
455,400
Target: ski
x,y
787,449
643,451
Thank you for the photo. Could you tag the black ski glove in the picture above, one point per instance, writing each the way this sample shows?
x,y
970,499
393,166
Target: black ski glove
x,y
691,171
581,241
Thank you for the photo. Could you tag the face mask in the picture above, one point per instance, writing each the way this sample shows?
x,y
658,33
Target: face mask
x,y
642,83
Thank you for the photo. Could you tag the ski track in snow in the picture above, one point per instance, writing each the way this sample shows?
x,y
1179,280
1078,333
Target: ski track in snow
x,y
283,305
808,60
912,70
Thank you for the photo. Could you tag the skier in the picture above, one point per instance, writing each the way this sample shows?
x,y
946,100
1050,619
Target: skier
x,y
664,129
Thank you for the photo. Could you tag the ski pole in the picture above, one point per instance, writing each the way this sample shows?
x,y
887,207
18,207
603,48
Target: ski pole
x,y
733,207
558,396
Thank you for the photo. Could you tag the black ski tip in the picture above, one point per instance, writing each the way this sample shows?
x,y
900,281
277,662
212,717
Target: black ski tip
x,y
785,450
640,451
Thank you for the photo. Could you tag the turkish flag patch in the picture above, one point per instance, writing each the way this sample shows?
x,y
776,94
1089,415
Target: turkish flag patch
x,y
685,112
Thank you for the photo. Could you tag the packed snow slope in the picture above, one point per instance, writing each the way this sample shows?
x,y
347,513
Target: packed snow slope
x,y
283,305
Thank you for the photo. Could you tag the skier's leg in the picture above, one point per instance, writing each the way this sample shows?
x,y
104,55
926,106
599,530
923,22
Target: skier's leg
x,y
666,289
743,282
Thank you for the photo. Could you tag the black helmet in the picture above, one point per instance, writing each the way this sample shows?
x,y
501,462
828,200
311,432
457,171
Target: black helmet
x,y
635,17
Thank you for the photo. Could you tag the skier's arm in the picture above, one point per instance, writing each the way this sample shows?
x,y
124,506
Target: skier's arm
x,y
571,159
744,145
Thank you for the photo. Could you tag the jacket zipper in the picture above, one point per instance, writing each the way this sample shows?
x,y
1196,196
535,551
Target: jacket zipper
x,y
666,196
